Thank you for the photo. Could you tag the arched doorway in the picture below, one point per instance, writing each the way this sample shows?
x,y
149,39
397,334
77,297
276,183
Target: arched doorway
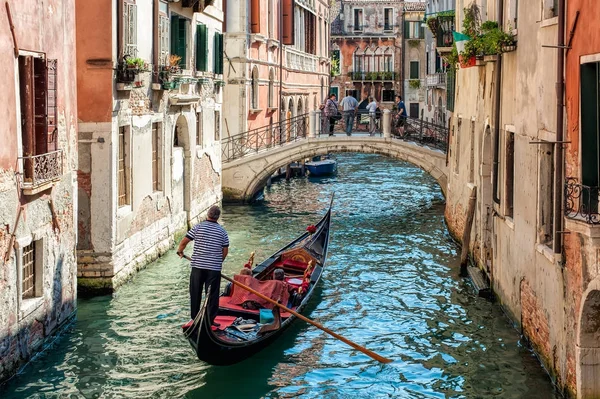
x,y
588,344
181,166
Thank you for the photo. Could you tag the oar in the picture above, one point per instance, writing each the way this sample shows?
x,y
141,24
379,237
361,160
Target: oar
x,y
356,346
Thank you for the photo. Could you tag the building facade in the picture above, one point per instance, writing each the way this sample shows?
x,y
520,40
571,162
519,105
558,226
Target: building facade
x,y
582,171
366,49
277,61
506,145
415,58
149,93
38,180
439,81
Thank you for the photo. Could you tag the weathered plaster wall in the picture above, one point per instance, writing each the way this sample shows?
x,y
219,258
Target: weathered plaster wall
x,y
512,249
48,217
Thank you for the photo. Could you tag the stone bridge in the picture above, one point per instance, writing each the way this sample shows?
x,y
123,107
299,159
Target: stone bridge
x,y
244,176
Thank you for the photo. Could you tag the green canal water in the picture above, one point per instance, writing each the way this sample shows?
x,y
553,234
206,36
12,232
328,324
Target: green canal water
x,y
391,283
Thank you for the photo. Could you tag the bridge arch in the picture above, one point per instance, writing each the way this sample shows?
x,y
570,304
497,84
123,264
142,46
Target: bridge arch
x,y
244,177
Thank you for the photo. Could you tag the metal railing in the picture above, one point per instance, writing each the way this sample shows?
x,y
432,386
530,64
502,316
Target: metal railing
x,y
420,131
270,136
360,120
436,80
41,169
362,75
581,201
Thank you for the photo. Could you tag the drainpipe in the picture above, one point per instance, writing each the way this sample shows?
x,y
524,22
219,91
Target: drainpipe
x,y
497,98
558,148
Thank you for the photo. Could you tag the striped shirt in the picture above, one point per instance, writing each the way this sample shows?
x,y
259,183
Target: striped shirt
x,y
209,240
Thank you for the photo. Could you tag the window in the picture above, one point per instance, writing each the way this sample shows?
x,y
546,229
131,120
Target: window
x,y
271,93
28,262
387,95
546,194
414,70
218,53
217,125
122,166
254,89
457,145
129,29
413,111
590,132
513,13
199,130
352,93
335,90
156,158
179,39
413,30
358,19
202,48
388,18
163,34
270,18
550,8
388,66
510,174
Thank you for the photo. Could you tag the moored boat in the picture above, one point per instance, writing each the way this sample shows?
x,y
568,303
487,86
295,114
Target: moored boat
x,y
322,166
246,323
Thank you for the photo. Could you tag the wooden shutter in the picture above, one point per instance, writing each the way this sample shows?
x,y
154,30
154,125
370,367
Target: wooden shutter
x,y
288,22
201,47
26,84
414,70
406,29
255,16
182,43
52,105
174,34
218,53
422,32
590,124
40,107
221,52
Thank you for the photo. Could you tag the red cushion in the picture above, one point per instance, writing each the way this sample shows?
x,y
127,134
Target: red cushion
x,y
295,264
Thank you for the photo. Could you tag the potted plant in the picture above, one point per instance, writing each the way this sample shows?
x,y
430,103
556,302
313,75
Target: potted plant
x,y
414,84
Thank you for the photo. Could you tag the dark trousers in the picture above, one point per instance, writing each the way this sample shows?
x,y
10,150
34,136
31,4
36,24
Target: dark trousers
x,y
331,125
209,280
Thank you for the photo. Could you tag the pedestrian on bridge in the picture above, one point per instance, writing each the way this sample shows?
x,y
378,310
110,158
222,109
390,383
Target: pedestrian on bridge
x,y
400,114
372,108
349,106
331,112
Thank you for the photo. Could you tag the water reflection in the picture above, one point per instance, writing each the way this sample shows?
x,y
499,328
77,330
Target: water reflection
x,y
390,284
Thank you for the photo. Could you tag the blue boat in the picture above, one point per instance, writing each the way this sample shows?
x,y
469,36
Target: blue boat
x,y
321,166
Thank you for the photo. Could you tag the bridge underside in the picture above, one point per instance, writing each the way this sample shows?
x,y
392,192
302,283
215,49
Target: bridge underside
x,y
244,177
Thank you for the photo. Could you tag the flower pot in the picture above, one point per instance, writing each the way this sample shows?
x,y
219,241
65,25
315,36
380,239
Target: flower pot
x,y
490,58
170,85
479,61
467,63
508,48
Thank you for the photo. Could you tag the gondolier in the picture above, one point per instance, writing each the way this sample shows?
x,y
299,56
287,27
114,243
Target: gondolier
x,y
211,245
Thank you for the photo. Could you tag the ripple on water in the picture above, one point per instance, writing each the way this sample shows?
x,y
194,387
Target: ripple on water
x,y
390,284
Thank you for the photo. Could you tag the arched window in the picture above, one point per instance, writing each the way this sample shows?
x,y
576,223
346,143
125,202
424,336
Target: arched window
x,y
271,92
254,91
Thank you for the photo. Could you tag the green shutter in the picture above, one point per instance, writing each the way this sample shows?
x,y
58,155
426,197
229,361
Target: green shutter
x,y
201,47
174,34
182,47
590,125
406,29
217,53
221,53
422,32
414,70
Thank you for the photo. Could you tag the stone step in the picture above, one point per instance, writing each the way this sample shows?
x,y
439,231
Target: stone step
x,y
479,281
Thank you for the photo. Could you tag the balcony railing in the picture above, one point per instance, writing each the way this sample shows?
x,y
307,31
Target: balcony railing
x,y
299,60
581,201
441,25
436,80
373,76
39,170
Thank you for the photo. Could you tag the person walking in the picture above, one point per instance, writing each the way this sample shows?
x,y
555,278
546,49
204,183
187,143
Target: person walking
x,y
372,108
211,245
401,114
349,106
331,112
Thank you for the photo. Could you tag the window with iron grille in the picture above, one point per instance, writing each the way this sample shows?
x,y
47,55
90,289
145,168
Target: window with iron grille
x,y
28,262
129,29
163,34
199,130
122,173
156,158
217,125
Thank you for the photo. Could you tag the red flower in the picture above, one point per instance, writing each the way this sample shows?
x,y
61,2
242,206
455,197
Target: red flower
x,y
311,229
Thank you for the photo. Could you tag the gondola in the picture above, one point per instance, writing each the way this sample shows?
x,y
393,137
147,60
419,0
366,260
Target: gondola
x,y
322,166
240,333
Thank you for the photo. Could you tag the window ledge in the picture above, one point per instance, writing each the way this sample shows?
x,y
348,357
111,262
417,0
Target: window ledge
x,y
255,110
28,306
549,22
183,99
272,43
123,211
257,38
548,253
29,189
272,109
124,86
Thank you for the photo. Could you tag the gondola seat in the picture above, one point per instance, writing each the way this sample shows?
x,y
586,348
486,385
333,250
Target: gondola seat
x,y
274,289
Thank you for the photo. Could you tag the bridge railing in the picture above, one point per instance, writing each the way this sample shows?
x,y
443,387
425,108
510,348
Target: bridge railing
x,y
360,121
420,131
256,140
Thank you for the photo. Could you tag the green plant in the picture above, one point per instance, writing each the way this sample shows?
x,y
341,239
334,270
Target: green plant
x,y
414,43
335,66
136,63
488,26
414,83
388,75
371,76
472,20
452,58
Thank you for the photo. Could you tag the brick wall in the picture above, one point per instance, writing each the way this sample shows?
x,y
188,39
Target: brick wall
x,y
534,322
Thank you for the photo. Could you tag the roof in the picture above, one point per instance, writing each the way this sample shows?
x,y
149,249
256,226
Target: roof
x,y
415,6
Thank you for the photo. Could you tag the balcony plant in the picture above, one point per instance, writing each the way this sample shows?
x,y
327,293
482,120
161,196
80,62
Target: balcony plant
x,y
168,72
414,83
371,76
387,75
